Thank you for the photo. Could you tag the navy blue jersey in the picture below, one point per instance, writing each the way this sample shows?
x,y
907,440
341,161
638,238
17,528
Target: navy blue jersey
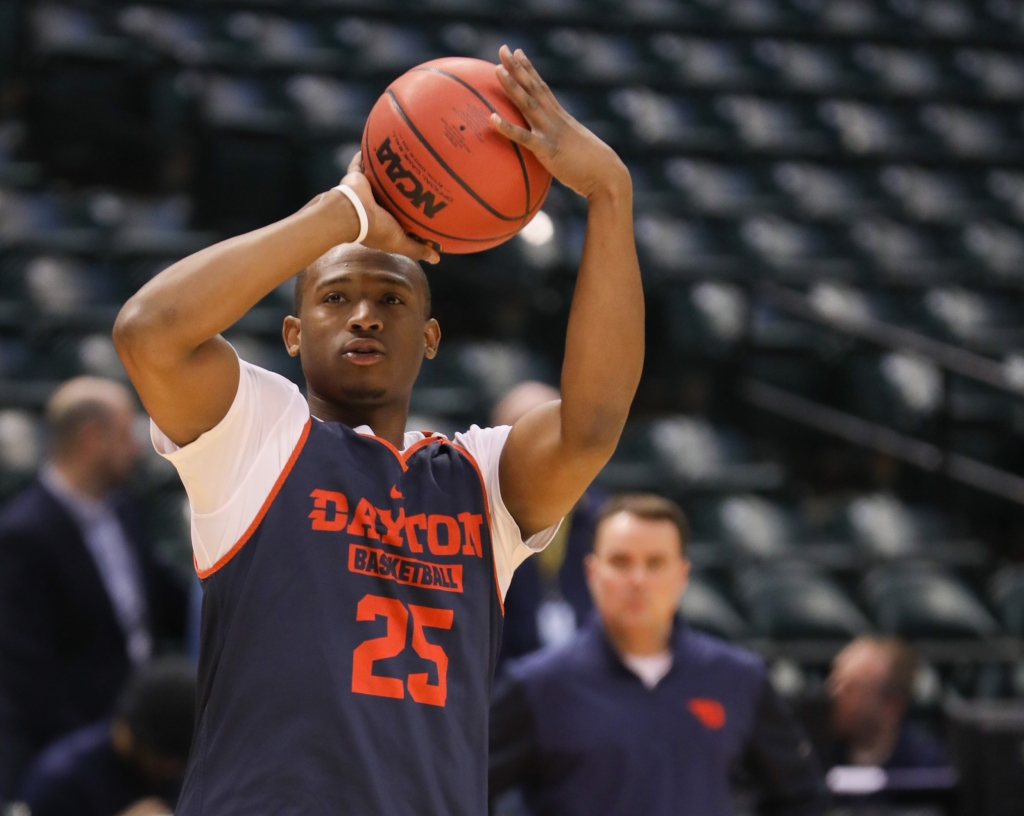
x,y
349,639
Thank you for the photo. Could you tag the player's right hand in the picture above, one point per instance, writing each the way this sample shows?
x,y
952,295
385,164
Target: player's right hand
x,y
385,233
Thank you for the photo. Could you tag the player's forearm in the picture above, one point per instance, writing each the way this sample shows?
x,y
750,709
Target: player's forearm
x,y
604,349
205,293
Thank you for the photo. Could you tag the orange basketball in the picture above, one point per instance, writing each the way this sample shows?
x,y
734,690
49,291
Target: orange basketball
x,y
438,166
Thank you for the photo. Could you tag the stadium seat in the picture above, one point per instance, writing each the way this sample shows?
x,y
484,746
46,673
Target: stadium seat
x,y
864,128
966,132
674,245
918,600
710,316
940,18
804,66
703,62
999,75
756,527
595,55
900,252
927,195
20,441
794,601
889,529
1007,592
794,250
377,45
705,608
821,192
328,104
63,285
900,70
999,247
656,119
717,189
771,124
847,16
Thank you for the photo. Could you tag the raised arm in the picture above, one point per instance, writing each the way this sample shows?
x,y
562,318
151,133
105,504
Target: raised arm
x,y
168,333
554,452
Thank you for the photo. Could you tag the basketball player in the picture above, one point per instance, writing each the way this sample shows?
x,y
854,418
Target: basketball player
x,y
353,573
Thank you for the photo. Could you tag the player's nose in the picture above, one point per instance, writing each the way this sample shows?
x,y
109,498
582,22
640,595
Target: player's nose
x,y
365,317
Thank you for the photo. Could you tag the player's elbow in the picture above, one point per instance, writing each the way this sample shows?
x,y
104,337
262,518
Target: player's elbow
x,y
137,334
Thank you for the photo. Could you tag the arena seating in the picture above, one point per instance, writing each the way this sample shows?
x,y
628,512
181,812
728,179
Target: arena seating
x,y
830,218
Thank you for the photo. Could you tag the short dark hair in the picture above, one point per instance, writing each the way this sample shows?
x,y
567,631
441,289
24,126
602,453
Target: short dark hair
x,y
650,507
158,704
300,284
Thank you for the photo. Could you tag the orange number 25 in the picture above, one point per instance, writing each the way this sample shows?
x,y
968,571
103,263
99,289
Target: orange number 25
x,y
364,681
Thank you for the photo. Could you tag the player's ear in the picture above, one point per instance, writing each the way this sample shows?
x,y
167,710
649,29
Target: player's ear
x,y
432,338
291,332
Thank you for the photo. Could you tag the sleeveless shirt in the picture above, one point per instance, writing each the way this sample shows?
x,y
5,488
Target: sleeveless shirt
x,y
349,639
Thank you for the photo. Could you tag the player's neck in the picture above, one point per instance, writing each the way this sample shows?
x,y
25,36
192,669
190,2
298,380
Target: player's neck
x,y
387,421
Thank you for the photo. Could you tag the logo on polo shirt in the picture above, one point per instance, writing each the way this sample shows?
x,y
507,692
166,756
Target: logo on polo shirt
x,y
710,713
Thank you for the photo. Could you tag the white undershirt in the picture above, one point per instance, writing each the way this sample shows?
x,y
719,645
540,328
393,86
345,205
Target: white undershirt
x,y
229,471
651,669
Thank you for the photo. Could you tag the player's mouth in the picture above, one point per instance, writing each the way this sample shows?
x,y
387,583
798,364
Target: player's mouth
x,y
363,351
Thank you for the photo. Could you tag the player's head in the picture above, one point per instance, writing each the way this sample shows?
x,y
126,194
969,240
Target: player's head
x,y
638,569
362,326
91,426
153,719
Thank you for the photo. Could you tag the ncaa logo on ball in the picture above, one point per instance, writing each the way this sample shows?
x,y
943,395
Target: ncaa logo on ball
x,y
406,183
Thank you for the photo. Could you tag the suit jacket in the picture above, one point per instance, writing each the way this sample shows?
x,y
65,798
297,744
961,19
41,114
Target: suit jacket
x,y
63,658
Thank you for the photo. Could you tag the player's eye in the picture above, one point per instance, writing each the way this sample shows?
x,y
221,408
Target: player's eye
x,y
334,297
393,300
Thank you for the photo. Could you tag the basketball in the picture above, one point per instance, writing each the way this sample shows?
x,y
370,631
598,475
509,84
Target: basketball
x,y
436,163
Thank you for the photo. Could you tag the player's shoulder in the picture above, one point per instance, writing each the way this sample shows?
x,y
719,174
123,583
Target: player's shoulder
x,y
483,444
266,382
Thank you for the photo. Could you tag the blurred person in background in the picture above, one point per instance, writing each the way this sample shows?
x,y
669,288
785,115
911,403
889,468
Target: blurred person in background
x,y
870,690
130,765
548,598
638,714
81,600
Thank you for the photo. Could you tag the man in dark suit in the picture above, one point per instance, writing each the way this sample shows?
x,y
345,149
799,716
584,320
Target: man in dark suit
x,y
81,601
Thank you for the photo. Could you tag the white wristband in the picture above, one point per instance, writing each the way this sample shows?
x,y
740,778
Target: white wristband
x,y
364,222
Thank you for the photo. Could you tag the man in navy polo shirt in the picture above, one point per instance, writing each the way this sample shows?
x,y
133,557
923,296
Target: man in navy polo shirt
x,y
638,714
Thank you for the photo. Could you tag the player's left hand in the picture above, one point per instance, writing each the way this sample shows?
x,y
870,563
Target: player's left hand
x,y
570,152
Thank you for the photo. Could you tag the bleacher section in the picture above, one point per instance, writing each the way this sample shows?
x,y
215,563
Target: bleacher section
x,y
830,217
